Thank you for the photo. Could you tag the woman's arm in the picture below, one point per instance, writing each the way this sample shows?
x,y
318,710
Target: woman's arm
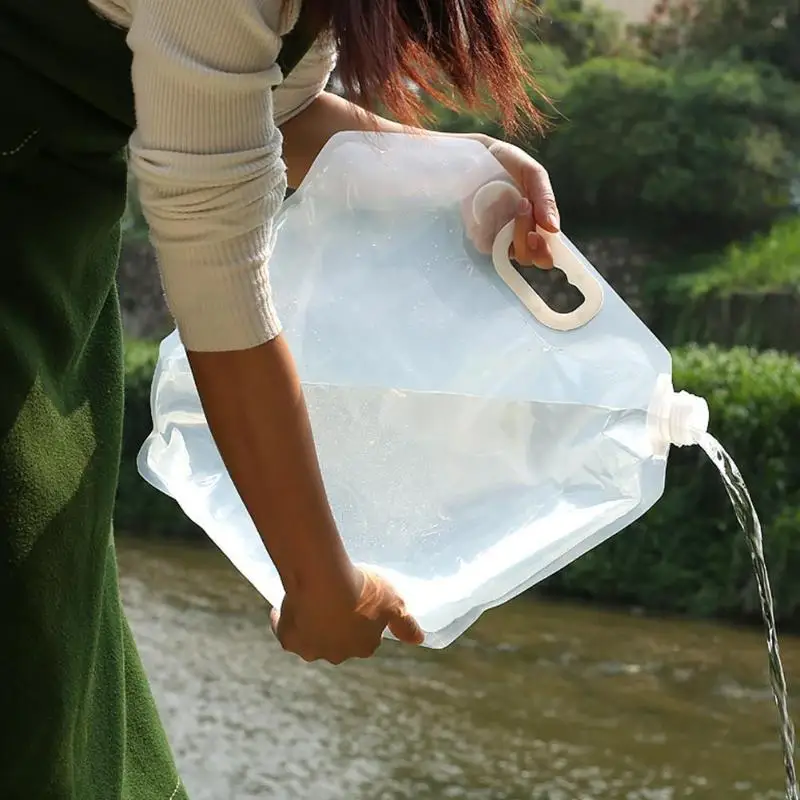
x,y
207,156
305,134
254,405
255,408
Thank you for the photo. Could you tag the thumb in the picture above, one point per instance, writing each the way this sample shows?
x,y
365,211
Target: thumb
x,y
405,628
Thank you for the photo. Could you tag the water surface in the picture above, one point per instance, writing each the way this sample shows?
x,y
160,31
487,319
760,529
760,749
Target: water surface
x,y
539,701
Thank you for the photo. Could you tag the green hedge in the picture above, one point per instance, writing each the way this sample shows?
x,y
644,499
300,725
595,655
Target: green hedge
x,y
687,554
706,154
748,294
766,263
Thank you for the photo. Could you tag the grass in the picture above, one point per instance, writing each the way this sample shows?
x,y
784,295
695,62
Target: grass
x,y
767,263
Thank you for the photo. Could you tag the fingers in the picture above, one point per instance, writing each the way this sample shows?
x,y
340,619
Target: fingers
x,y
529,247
311,633
542,255
544,213
537,208
281,628
540,191
523,225
379,596
405,628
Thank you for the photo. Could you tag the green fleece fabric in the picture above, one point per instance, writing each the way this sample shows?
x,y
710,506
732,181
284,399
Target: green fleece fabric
x,y
79,719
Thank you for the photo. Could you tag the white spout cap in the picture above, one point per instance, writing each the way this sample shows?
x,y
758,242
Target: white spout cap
x,y
678,418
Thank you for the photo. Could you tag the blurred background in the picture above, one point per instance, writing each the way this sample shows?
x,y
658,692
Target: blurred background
x,y
639,672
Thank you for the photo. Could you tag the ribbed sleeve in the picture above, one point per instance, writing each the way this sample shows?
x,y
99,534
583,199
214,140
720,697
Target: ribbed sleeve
x,y
207,153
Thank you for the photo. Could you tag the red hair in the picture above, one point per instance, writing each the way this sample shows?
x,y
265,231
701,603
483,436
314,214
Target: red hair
x,y
465,50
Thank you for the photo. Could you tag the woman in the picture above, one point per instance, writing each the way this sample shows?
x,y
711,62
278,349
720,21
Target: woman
x,y
214,129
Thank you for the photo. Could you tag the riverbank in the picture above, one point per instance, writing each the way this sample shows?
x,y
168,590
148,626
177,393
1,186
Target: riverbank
x,y
687,555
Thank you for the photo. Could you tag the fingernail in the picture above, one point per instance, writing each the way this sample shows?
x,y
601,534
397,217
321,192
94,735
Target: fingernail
x,y
533,240
524,207
553,221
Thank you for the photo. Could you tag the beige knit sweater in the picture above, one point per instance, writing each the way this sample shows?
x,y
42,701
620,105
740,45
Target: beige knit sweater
x,y
206,152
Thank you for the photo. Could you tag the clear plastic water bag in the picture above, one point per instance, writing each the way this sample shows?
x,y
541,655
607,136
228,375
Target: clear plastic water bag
x,y
472,439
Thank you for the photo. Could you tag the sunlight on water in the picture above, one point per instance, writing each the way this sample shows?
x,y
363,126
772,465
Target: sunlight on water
x,y
748,519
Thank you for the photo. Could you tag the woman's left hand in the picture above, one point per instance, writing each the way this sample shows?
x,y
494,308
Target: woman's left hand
x,y
536,208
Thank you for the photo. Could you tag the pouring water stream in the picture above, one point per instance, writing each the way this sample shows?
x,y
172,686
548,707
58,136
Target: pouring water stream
x,y
748,519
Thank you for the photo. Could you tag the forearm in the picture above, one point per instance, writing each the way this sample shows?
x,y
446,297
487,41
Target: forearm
x,y
306,134
255,409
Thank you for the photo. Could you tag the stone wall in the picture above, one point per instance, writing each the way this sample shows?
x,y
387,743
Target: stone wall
x,y
766,321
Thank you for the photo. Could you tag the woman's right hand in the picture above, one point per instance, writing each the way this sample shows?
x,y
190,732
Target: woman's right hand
x,y
347,623
255,408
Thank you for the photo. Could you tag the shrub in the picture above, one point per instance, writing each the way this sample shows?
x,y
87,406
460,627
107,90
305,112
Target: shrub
x,y
767,263
707,155
697,157
757,30
748,294
580,30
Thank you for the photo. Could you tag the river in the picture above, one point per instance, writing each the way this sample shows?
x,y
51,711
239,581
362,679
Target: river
x,y
538,701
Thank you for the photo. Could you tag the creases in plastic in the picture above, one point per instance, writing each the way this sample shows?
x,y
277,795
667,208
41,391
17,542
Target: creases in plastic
x,y
468,451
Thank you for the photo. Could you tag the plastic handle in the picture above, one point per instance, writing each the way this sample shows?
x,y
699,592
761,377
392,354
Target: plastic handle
x,y
564,257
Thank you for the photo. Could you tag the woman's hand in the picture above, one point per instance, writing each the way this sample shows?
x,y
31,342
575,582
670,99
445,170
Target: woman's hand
x,y
536,208
305,134
349,623
254,405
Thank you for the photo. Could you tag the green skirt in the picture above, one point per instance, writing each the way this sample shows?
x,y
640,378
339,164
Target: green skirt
x,y
79,722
